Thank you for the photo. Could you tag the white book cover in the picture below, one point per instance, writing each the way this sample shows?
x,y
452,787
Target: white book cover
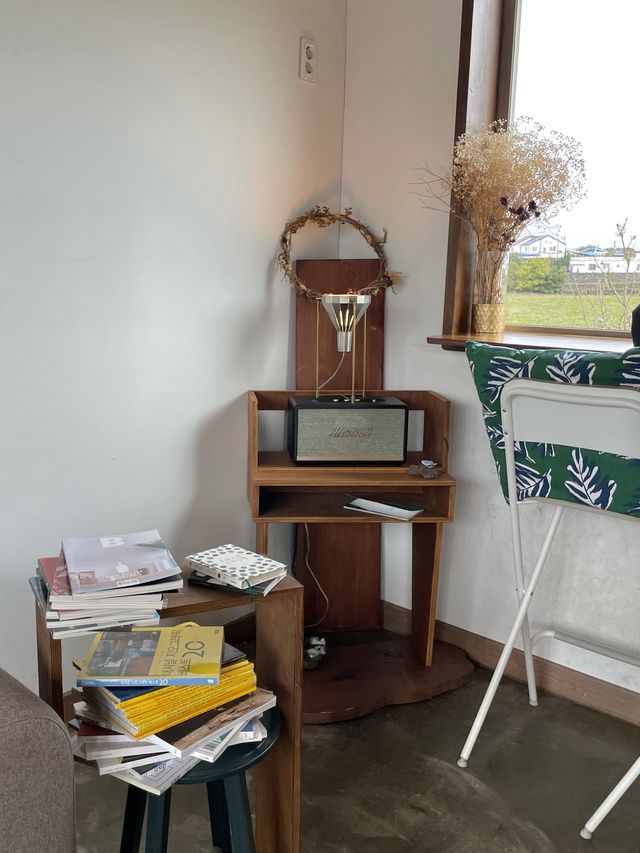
x,y
391,510
94,751
107,619
114,765
114,562
235,566
161,776
254,731
214,748
60,634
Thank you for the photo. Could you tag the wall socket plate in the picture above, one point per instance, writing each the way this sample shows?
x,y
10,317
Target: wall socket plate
x,y
307,69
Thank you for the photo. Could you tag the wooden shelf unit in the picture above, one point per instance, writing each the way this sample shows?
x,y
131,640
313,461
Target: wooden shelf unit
x,y
278,662
280,491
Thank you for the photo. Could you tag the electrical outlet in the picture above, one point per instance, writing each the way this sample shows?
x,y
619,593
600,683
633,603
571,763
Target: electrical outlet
x,y
307,70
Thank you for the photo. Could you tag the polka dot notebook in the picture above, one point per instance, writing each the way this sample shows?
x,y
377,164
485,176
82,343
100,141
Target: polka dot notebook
x,y
235,566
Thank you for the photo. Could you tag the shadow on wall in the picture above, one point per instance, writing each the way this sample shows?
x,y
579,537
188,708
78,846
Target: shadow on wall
x,y
219,510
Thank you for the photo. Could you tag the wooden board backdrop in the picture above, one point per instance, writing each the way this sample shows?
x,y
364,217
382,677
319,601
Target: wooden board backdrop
x,y
345,557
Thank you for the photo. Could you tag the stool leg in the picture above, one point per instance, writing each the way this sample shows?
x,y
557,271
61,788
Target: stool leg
x,y
158,823
239,814
133,820
219,816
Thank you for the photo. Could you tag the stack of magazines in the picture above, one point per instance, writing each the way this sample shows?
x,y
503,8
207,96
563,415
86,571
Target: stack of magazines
x,y
234,568
104,582
157,701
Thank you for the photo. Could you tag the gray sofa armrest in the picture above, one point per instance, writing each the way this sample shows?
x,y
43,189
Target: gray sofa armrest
x,y
36,774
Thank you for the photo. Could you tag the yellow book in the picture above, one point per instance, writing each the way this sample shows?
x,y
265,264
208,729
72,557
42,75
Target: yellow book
x,y
165,721
187,654
174,694
185,696
157,705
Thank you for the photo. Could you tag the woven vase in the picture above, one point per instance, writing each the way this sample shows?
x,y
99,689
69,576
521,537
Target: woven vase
x,y
489,285
487,319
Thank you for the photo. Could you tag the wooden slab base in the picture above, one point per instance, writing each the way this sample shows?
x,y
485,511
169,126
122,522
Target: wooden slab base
x,y
364,671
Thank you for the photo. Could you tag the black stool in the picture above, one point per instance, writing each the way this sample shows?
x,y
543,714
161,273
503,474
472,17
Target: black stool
x,y
229,812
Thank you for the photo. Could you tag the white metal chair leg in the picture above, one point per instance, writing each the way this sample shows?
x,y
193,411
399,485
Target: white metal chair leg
x,y
527,645
511,640
603,810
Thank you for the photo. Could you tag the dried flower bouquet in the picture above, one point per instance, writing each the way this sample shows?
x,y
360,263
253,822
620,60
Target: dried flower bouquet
x,y
501,179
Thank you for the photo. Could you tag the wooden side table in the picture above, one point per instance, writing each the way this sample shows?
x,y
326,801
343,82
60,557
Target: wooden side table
x,y
359,676
278,668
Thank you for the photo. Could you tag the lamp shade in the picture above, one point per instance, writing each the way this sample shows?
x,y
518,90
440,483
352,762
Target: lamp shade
x,y
345,310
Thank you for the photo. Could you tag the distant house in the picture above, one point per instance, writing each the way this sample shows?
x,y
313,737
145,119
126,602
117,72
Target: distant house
x,y
598,262
539,246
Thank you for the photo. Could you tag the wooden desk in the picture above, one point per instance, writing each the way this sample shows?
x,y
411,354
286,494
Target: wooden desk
x,y
350,682
278,668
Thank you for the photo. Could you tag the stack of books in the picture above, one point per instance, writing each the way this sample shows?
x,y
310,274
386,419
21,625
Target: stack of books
x,y
157,701
234,568
105,582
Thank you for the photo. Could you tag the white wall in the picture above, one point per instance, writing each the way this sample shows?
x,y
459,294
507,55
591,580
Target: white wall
x,y
402,61
150,155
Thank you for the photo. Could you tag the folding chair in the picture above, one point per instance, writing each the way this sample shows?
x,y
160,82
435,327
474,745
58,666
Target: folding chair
x,y
564,428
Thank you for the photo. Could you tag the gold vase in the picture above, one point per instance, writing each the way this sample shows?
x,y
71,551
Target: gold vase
x,y
487,319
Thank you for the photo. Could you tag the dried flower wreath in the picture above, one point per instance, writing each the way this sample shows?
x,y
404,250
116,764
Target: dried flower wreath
x,y
322,217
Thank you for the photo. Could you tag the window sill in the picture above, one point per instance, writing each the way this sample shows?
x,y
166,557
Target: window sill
x,y
537,340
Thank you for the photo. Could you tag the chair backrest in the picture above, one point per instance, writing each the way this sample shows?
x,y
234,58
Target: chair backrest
x,y
604,419
563,426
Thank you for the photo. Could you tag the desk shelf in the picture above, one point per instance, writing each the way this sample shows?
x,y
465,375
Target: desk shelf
x,y
281,491
279,504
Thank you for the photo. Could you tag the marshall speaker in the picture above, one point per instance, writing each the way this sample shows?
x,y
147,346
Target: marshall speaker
x,y
336,429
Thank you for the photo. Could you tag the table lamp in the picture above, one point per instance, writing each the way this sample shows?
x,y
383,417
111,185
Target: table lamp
x,y
345,310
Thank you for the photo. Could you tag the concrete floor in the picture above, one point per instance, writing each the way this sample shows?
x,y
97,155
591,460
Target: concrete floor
x,y
388,783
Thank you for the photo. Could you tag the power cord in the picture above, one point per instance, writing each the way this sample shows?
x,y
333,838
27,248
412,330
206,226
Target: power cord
x,y
327,381
313,575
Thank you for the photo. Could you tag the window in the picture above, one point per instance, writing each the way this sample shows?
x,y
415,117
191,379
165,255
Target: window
x,y
607,218
490,81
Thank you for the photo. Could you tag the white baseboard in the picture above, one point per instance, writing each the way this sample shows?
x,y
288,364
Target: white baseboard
x,y
552,677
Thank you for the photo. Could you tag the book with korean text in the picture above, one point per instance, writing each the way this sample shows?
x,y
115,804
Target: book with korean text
x,y
186,654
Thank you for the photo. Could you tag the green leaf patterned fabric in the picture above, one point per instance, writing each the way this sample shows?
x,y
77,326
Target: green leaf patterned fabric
x,y
588,477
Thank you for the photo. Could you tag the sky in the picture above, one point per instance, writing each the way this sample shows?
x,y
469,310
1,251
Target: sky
x,y
576,72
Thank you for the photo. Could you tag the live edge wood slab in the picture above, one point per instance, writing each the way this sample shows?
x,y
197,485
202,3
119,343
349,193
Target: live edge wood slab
x,y
364,671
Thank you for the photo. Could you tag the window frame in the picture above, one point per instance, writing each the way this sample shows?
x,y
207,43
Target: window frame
x,y
488,50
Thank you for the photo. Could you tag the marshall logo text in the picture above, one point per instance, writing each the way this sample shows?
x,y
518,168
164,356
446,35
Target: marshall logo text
x,y
341,432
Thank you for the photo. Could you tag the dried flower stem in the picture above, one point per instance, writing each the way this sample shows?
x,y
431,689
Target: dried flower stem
x,y
500,180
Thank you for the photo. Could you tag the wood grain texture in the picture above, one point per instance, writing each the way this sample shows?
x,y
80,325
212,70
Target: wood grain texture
x,y
338,276
347,567
279,668
346,557
483,90
541,338
49,665
370,670
427,542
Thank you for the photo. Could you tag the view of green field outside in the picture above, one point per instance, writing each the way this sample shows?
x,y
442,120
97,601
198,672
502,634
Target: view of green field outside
x,y
561,309
545,292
